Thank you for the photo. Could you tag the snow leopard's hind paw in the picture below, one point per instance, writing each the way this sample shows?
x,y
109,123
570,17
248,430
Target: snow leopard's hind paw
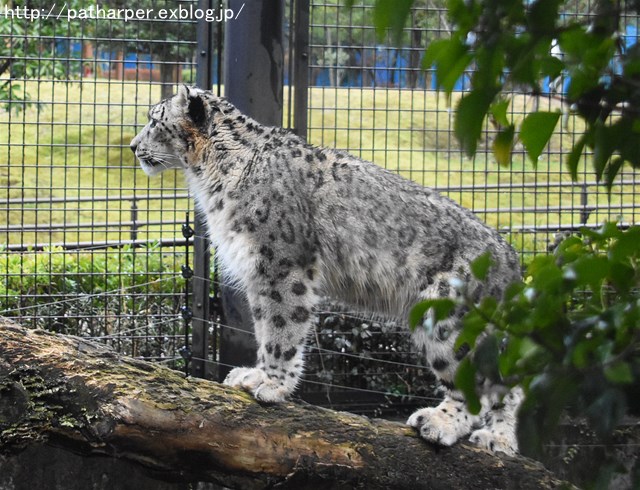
x,y
443,425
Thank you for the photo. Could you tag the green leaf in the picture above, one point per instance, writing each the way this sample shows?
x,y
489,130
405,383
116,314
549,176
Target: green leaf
x,y
451,57
499,111
441,307
517,352
470,115
503,145
551,67
570,249
574,156
583,354
626,247
542,17
611,172
600,236
473,324
464,13
628,132
435,52
465,381
619,373
591,270
391,15
536,131
622,277
481,265
605,141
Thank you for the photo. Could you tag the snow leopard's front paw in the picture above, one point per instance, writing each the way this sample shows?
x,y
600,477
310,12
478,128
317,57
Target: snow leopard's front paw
x,y
258,383
436,425
495,441
246,378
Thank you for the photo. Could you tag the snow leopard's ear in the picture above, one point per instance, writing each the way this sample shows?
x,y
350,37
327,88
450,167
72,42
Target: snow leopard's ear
x,y
197,110
182,97
190,99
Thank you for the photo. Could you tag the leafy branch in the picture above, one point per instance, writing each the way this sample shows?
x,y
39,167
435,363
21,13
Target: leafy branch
x,y
568,334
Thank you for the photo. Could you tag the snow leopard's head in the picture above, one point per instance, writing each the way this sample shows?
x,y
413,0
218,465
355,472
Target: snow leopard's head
x,y
178,128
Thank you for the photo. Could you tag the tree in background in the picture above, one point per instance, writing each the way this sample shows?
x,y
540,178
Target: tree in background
x,y
168,42
28,50
40,48
351,45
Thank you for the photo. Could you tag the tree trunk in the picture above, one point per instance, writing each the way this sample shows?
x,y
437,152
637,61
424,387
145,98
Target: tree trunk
x,y
169,77
414,57
76,394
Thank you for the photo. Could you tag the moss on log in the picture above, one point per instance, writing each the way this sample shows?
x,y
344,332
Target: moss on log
x,y
73,393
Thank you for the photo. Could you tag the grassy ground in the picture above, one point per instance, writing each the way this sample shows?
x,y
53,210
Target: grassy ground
x,y
74,149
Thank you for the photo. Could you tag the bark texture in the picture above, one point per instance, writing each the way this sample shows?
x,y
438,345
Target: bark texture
x,y
76,394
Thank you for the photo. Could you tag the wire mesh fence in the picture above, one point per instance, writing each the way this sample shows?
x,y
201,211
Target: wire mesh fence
x,y
91,246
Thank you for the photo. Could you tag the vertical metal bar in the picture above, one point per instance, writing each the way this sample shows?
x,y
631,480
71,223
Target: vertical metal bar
x,y
254,72
201,254
288,79
204,37
301,67
584,201
134,221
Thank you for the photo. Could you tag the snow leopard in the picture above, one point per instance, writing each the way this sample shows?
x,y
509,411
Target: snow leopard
x,y
291,223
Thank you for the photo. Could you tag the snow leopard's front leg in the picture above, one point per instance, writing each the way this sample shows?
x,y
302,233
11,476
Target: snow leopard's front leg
x,y
281,303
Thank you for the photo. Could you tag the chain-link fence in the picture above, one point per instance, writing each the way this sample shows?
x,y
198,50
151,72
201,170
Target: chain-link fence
x,y
91,246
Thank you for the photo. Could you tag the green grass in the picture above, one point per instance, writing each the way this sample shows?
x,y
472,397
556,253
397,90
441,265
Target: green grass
x,y
76,147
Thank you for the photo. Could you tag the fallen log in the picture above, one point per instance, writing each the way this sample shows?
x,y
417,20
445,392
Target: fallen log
x,y
80,395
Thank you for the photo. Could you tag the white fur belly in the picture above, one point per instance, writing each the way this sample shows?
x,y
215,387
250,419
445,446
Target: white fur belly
x,y
233,251
374,288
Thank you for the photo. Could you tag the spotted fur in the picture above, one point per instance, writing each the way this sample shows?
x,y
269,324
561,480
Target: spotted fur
x,y
291,222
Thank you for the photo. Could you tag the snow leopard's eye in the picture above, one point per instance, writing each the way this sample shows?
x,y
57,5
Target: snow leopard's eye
x,y
153,123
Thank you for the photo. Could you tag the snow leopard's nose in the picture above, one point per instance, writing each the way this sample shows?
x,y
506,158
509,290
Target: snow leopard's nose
x,y
134,143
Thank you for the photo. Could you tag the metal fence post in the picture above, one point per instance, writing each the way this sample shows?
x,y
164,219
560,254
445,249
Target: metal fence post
x,y
301,67
201,254
254,72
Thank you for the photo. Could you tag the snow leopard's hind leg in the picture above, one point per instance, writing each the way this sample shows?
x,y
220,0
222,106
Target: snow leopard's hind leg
x,y
499,418
449,421
494,428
